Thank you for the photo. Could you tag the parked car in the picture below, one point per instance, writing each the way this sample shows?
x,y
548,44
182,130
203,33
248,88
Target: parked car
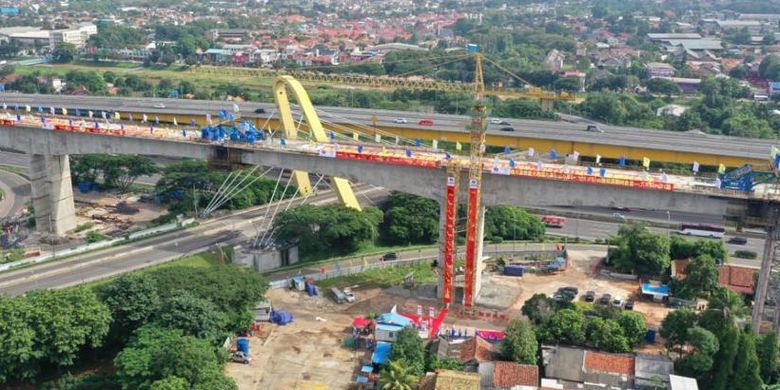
x,y
338,295
738,240
399,120
349,294
570,290
605,299
590,296
390,256
629,305
495,121
617,302
503,122
619,217
159,105
594,128
507,129
259,110
425,122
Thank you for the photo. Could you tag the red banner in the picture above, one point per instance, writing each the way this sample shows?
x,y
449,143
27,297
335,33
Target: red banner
x,y
471,243
397,160
614,181
450,213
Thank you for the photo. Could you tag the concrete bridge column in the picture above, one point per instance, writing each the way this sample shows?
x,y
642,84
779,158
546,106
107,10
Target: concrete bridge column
x,y
52,194
765,274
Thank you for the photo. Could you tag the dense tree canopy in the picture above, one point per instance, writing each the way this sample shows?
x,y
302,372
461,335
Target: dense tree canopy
x,y
641,251
519,344
410,219
408,349
511,222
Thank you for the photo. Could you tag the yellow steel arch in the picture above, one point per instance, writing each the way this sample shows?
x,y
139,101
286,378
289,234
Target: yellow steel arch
x,y
341,185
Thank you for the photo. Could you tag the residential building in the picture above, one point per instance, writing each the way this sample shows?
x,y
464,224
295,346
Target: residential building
x,y
671,110
659,69
227,34
752,26
450,380
738,278
554,60
25,35
388,325
476,351
508,375
687,85
76,36
774,88
651,370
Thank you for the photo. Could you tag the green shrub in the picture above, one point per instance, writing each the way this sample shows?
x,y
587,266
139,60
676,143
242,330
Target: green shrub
x,y
94,236
744,254
83,226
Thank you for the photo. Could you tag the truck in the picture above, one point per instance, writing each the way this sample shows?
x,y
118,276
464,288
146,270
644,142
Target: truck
x,y
553,221
338,295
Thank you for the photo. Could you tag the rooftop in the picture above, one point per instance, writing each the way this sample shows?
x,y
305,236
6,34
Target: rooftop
x,y
450,380
665,36
697,44
508,374
476,349
609,362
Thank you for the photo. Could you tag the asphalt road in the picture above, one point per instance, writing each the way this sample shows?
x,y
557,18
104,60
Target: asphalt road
x,y
560,130
17,193
116,260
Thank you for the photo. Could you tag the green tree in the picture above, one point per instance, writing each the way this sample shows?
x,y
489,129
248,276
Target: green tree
x,y
663,87
634,327
767,356
745,124
727,302
674,327
433,363
409,350
170,383
410,219
397,376
18,353
606,335
195,316
747,371
519,344
770,67
539,308
640,251
510,222
701,277
133,300
723,366
565,326
64,53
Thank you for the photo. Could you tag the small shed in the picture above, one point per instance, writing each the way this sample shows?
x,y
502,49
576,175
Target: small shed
x,y
381,353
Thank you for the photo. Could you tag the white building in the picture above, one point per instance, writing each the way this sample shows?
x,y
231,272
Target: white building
x,y
77,35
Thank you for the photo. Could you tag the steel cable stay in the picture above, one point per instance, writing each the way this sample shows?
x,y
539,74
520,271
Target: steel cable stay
x,y
229,192
220,190
271,204
255,179
267,241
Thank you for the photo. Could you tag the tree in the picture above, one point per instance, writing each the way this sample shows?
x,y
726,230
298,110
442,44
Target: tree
x,y
767,356
770,67
634,327
745,124
194,316
565,326
519,344
640,251
510,222
747,372
170,383
64,53
539,308
727,302
133,300
703,341
567,84
155,353
18,353
410,219
723,366
663,87
397,376
409,350
674,328
433,363
606,335
701,277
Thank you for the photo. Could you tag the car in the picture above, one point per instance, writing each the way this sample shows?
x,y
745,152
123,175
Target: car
x,y
503,123
425,122
570,290
259,110
159,105
507,129
605,299
399,120
619,216
594,129
621,208
590,296
617,302
390,256
349,294
629,305
495,121
738,240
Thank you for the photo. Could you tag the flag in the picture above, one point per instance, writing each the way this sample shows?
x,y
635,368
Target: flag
x,y
408,152
64,111
507,150
773,152
553,154
175,123
377,138
103,114
117,115
721,169
331,135
208,118
590,170
598,159
356,136
695,166
531,152
78,112
40,109
397,140
417,142
512,163
236,108
603,172
435,144
283,142
144,118
52,111
28,108
360,148
622,161
458,146
90,114
646,162
156,120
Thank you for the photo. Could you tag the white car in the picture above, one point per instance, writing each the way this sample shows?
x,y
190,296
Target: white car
x,y
349,294
159,105
617,302
619,216
495,121
399,120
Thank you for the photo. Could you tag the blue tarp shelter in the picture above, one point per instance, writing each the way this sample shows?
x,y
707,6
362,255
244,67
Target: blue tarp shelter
x,y
381,353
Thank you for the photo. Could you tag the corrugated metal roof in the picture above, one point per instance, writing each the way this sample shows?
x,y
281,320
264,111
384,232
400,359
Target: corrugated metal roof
x,y
697,44
682,383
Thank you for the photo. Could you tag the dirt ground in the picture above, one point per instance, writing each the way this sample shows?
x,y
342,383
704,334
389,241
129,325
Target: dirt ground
x,y
310,354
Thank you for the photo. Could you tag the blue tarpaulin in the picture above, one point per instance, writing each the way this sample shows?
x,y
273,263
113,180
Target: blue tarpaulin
x,y
658,290
281,317
381,353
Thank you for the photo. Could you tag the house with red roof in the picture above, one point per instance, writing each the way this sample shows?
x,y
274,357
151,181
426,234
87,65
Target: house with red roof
x,y
508,375
738,278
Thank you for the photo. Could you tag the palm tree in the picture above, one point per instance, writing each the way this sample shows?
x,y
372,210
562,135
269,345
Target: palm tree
x,y
396,376
728,302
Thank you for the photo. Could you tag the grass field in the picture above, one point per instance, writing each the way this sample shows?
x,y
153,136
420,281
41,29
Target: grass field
x,y
382,277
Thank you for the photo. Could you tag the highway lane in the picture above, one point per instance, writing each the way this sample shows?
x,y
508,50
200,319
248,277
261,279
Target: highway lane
x,y
560,130
112,261
17,193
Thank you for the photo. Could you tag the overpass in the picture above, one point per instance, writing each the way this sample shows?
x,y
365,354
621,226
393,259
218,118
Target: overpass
x,y
566,138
